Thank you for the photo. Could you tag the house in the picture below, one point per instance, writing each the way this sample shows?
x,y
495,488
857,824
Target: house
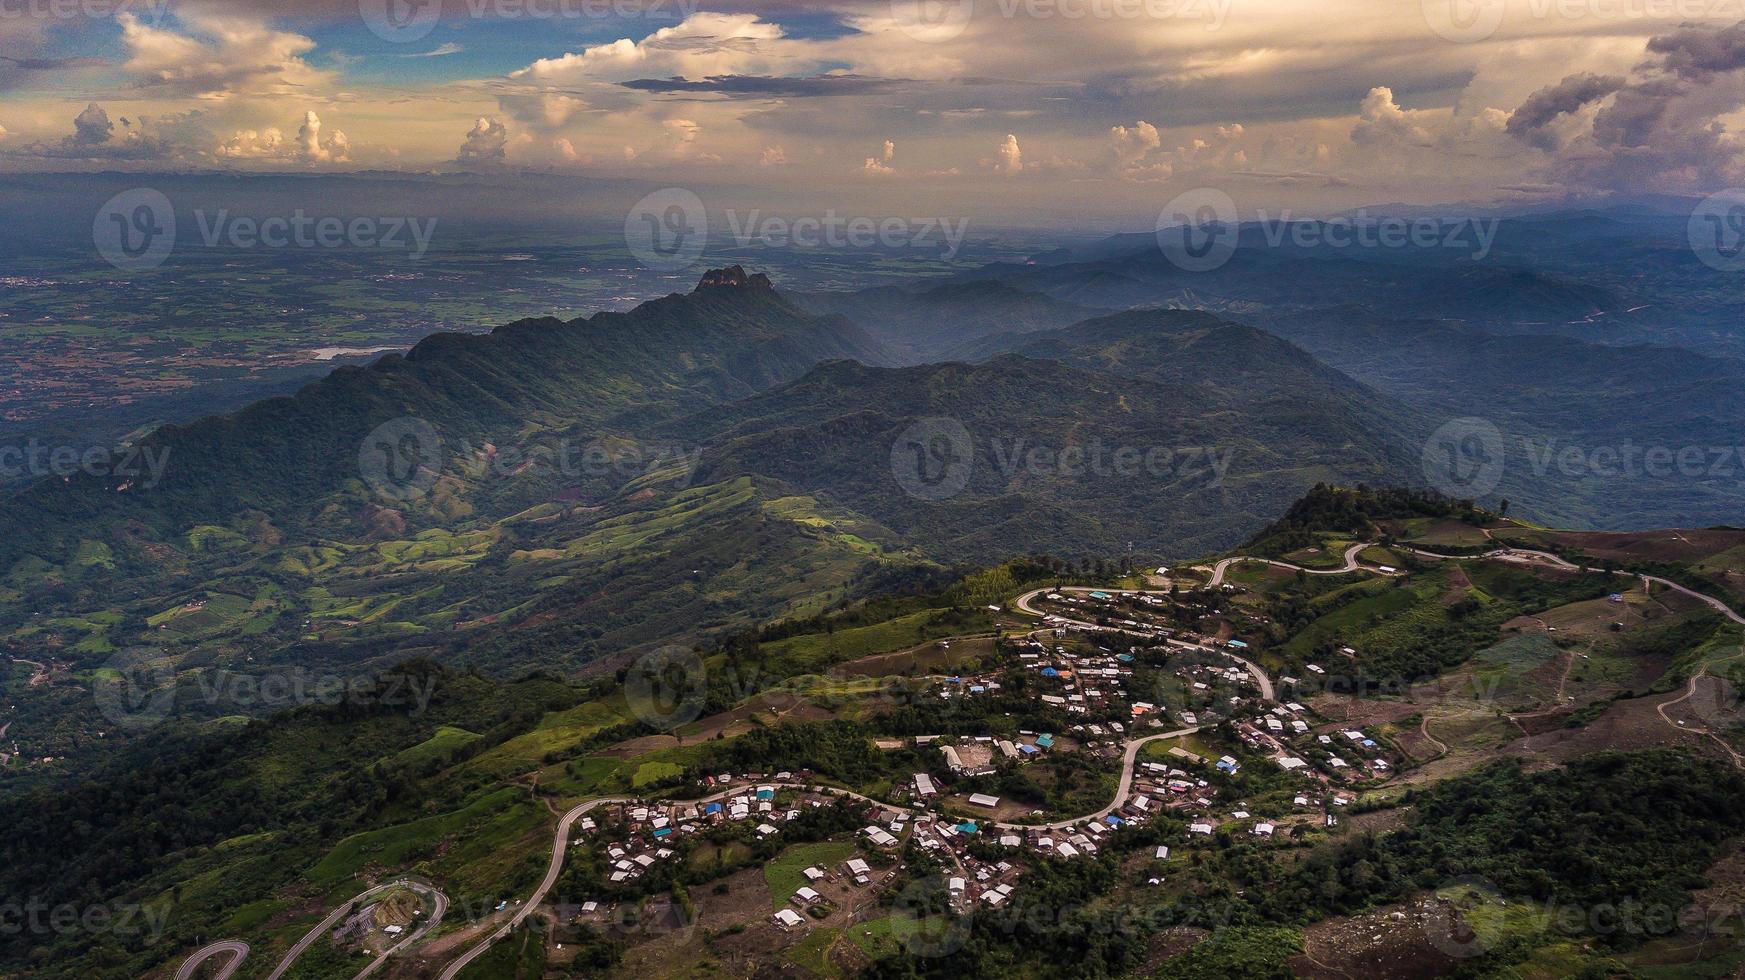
x,y
805,896
1204,829
1263,829
1162,852
924,785
788,918
879,837
983,799
857,867
813,874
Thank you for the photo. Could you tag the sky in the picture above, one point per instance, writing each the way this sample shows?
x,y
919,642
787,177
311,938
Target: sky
x,y
1013,109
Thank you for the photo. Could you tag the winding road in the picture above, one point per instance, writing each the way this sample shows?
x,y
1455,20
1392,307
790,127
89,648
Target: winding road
x,y
1351,565
238,950
1023,604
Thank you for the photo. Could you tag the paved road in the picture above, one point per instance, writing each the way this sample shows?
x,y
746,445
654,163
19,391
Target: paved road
x,y
1024,601
1518,554
238,952
559,846
441,908
1351,565
326,925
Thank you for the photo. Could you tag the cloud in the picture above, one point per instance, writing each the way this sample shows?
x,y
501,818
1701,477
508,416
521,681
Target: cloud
x,y
220,58
91,127
769,86
442,50
171,138
681,131
1011,159
1380,120
703,45
773,156
486,144
1661,126
269,144
1532,119
542,110
311,147
880,166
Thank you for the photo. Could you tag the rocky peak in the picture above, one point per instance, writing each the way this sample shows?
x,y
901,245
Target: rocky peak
x,y
734,276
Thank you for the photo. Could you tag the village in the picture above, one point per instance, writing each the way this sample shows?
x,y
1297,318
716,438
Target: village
x,y
1183,721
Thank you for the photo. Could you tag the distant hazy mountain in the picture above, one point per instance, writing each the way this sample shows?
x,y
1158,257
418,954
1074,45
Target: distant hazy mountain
x,y
929,323
1549,394
1273,421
